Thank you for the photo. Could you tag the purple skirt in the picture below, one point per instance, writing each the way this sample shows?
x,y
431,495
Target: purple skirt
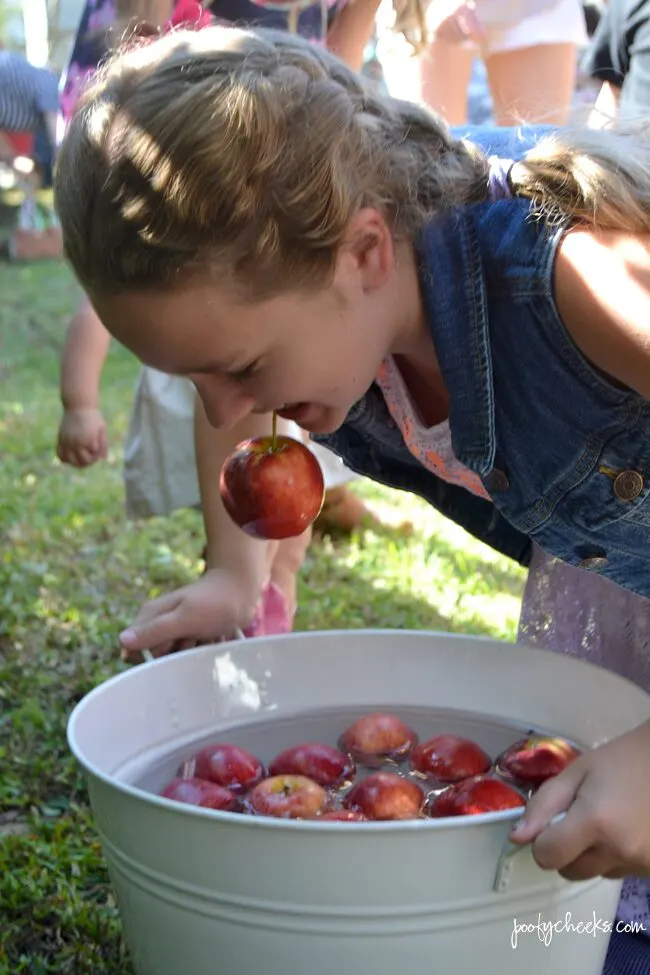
x,y
569,610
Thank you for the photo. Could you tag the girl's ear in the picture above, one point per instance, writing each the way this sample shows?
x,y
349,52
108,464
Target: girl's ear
x,y
369,243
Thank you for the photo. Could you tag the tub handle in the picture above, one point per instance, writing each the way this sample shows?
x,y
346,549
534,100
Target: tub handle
x,y
508,853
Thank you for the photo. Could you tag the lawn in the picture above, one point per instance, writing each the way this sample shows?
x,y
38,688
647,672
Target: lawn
x,y
72,574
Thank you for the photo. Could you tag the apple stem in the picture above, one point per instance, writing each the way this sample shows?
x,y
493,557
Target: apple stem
x,y
275,428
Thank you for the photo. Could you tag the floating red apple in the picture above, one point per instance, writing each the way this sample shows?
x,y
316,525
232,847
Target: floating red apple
x,y
288,797
449,758
198,792
378,737
322,763
533,760
482,794
272,487
386,795
227,765
344,816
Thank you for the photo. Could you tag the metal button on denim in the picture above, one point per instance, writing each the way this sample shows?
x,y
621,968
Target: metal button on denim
x,y
593,562
628,485
496,480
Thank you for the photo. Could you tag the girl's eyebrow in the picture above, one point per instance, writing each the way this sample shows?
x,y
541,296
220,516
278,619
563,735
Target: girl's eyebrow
x,y
212,366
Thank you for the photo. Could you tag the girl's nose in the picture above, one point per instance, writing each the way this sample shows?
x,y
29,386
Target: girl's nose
x,y
224,406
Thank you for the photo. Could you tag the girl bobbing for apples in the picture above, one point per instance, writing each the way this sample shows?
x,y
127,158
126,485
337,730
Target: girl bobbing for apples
x,y
469,327
168,464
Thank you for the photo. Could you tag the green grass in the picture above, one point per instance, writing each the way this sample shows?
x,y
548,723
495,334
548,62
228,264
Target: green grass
x,y
73,573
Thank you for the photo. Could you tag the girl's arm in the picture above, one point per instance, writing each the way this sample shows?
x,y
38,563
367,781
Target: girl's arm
x,y
351,30
228,546
154,12
82,434
605,109
238,566
602,290
84,352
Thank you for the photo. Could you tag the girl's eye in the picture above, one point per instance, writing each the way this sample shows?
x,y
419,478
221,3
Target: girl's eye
x,y
247,372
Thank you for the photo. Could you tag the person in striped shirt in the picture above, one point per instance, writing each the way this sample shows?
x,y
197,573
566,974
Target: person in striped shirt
x,y
28,110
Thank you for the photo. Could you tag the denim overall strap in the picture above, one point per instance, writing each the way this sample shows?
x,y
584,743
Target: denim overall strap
x,y
456,307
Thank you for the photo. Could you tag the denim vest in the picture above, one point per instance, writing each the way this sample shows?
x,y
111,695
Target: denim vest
x,y
563,453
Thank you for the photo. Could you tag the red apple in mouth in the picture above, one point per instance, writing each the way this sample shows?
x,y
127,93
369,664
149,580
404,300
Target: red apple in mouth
x,y
344,816
199,792
449,758
227,765
322,763
533,760
272,487
378,737
385,795
288,797
472,797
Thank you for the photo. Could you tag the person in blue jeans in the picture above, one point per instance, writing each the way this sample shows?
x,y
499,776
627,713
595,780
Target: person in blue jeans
x,y
461,314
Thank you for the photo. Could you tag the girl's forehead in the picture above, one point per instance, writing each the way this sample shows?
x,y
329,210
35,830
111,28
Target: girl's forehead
x,y
198,329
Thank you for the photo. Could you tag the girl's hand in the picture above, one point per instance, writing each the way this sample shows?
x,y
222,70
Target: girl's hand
x,y
82,437
454,22
202,612
606,830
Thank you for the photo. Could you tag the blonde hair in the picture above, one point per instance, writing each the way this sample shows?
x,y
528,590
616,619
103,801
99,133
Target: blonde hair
x,y
250,152
411,22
